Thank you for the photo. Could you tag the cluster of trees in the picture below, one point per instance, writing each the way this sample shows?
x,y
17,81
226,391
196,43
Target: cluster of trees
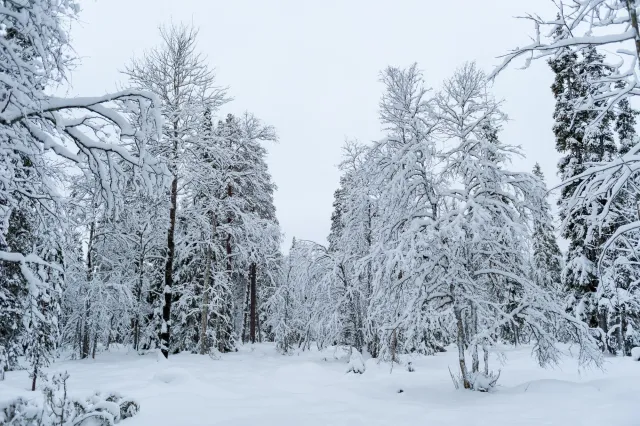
x,y
435,241
138,218
134,218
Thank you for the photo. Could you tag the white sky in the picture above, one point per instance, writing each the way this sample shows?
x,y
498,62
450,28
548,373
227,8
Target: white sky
x,y
310,68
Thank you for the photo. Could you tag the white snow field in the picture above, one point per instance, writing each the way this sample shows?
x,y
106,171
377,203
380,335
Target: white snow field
x,y
257,386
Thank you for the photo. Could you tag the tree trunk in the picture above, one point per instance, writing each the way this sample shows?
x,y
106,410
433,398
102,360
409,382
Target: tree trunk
x,y
475,361
136,326
631,8
204,346
95,344
394,345
245,310
457,311
252,312
35,376
86,343
486,360
165,332
228,243
85,333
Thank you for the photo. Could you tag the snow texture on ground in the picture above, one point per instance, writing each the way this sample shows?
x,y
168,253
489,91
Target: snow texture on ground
x,y
258,386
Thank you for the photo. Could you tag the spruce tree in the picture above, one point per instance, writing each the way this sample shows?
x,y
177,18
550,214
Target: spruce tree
x,y
547,258
578,143
625,122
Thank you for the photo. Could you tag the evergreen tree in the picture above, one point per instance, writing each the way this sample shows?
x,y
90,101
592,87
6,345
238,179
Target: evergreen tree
x,y
547,258
583,142
625,124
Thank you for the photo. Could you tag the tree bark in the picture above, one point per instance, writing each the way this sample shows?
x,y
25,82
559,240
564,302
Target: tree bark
x,y
165,333
35,376
394,345
631,8
457,311
486,360
95,344
252,312
205,304
136,327
86,342
228,242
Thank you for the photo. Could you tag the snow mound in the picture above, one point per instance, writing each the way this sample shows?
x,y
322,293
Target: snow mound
x,y
300,370
552,386
173,375
635,353
356,363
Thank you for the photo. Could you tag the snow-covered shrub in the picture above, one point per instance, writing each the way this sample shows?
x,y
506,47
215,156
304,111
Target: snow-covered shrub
x,y
478,381
58,409
635,354
483,382
356,363
21,412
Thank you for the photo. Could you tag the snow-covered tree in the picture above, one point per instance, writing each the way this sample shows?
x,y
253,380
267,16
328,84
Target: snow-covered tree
x,y
42,137
599,197
547,257
178,75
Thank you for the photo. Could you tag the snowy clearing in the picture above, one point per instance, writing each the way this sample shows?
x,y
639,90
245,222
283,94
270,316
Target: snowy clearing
x,y
259,385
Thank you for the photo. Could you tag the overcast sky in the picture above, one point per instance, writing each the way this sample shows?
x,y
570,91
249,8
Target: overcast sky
x,y
310,68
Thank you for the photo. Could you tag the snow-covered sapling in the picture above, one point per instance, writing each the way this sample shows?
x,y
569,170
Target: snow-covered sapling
x,y
356,363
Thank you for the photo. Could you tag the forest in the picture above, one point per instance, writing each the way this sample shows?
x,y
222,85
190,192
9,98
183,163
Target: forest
x,y
142,223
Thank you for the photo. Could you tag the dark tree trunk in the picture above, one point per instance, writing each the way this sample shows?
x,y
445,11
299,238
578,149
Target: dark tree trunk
x,y
35,376
95,344
245,310
252,313
228,243
136,320
86,326
165,333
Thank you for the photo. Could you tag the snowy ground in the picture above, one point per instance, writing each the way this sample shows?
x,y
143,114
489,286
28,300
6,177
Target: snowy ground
x,y
256,386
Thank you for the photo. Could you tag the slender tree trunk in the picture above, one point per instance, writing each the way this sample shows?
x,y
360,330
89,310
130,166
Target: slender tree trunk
x,y
228,242
204,346
485,353
252,311
621,331
394,346
457,311
86,329
35,377
165,332
95,344
245,310
631,8
137,320
475,361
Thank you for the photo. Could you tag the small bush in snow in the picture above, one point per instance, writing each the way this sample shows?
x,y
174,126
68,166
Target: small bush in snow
x,y
635,353
483,382
356,363
59,409
478,381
